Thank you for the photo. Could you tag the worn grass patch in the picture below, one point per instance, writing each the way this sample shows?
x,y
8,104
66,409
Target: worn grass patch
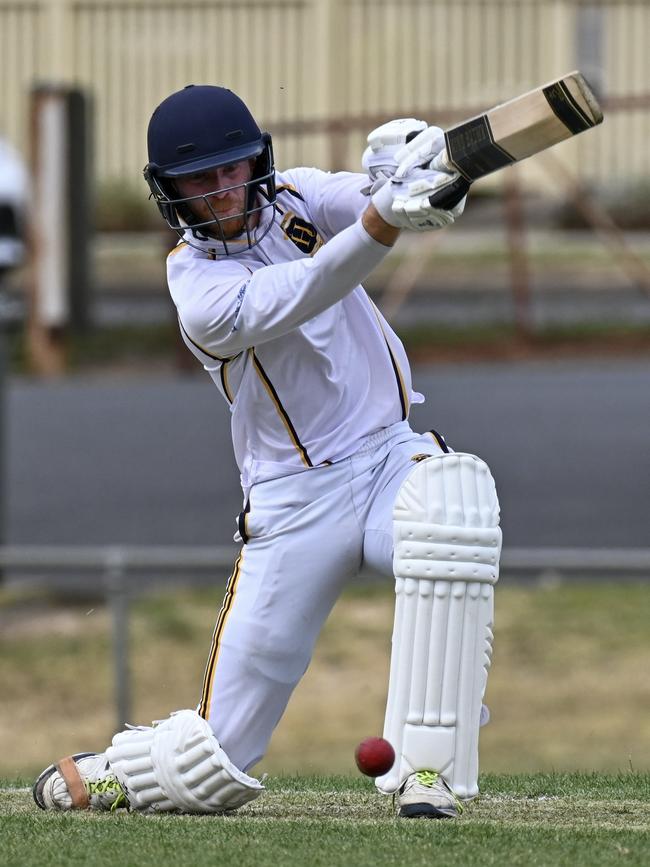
x,y
567,690
560,819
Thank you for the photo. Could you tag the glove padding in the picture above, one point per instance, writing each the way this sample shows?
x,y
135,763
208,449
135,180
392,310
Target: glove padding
x,y
426,151
403,202
383,143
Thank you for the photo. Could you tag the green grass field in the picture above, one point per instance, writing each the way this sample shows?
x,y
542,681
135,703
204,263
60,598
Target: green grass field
x,y
558,819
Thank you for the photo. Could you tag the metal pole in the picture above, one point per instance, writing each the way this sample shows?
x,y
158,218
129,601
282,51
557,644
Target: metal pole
x,y
61,164
79,184
118,599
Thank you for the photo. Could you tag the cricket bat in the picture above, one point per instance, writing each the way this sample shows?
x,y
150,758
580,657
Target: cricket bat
x,y
516,129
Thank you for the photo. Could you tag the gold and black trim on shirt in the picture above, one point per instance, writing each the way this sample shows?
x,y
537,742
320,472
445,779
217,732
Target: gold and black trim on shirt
x,y
400,382
223,370
401,387
223,373
268,385
289,188
177,248
226,607
202,349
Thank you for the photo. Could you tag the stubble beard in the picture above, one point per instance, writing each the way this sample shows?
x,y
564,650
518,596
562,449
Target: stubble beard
x,y
228,227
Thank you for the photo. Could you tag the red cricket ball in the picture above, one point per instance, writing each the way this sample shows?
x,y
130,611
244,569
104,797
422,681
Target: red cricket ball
x,y
374,757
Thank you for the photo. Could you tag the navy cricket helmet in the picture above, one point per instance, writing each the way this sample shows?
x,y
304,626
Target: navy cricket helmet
x,y
200,128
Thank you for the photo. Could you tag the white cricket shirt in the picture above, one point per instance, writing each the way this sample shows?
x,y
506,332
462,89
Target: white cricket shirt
x,y
306,362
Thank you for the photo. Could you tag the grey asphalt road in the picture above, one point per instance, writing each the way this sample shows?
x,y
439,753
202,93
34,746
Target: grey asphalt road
x,y
95,460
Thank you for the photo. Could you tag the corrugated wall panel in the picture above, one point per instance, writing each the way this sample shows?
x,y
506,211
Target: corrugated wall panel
x,y
300,60
19,65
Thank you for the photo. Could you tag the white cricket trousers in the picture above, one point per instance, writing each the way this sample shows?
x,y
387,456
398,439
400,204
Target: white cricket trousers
x,y
308,535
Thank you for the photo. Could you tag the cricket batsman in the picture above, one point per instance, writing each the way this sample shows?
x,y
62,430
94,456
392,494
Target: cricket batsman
x,y
266,279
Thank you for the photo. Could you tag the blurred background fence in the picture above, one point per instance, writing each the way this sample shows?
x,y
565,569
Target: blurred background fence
x,y
319,74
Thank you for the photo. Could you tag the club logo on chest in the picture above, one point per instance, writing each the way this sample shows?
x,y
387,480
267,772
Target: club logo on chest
x,y
302,233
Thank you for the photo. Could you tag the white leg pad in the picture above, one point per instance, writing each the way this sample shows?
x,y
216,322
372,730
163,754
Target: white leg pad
x,y
178,765
447,543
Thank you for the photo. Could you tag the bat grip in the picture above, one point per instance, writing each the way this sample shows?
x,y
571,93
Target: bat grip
x,y
449,196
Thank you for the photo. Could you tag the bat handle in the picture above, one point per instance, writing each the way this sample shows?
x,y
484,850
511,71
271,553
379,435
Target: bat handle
x,y
448,197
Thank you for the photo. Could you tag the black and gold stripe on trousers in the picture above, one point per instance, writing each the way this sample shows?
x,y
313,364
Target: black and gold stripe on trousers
x,y
226,607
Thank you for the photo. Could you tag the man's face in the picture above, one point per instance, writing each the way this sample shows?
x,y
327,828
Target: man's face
x,y
215,185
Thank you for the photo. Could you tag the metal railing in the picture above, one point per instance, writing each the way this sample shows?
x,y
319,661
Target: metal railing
x,y
198,564
66,569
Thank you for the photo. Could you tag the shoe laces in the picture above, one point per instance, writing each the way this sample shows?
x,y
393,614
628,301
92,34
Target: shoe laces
x,y
107,786
430,778
120,801
427,778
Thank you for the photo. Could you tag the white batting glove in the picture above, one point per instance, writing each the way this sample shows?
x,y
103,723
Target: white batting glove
x,y
404,203
426,150
422,171
383,143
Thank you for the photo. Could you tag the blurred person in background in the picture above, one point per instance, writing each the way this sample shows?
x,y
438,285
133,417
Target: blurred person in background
x,y
14,193
14,190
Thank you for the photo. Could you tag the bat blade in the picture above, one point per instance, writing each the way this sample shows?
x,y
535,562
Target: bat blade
x,y
517,129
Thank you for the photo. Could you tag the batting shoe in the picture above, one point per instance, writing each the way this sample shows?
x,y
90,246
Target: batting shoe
x,y
79,782
425,795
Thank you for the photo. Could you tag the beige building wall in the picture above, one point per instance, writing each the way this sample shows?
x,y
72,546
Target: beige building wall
x,y
356,61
